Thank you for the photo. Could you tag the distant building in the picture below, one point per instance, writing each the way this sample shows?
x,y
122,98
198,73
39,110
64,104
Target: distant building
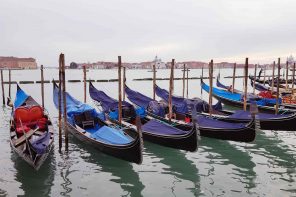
x,y
17,63
73,65
158,63
290,59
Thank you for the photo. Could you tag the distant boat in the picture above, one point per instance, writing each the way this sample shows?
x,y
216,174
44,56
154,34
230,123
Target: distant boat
x,y
90,127
31,130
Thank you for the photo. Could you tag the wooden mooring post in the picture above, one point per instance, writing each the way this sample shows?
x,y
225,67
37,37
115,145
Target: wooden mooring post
x,y
171,87
183,80
9,83
154,81
246,83
255,76
287,74
60,105
233,77
187,84
211,87
293,79
84,82
2,86
124,80
42,85
119,91
278,87
272,79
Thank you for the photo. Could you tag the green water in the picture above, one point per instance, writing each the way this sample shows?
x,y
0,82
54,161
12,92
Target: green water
x,y
265,167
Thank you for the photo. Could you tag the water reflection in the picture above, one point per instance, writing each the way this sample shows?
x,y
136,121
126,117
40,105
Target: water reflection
x,y
35,183
123,171
229,154
178,166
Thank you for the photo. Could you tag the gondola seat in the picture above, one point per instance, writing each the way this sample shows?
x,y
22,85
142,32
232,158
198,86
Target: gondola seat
x,y
85,120
30,118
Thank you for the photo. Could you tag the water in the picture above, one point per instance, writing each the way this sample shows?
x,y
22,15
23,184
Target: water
x,y
265,167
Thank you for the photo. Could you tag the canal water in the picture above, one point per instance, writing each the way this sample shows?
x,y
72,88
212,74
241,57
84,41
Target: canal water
x,y
265,167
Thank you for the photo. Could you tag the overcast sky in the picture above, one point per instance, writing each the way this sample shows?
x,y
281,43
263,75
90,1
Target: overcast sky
x,y
92,30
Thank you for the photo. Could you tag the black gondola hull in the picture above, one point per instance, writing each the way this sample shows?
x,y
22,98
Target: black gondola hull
x,y
246,134
131,152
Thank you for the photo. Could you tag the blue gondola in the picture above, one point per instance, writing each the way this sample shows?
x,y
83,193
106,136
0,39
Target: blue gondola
x,y
89,126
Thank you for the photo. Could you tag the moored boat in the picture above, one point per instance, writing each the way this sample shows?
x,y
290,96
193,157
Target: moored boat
x,y
90,127
31,130
208,127
153,130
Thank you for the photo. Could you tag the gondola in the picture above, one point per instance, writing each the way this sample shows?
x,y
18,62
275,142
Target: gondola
x,y
283,122
208,127
235,99
265,97
31,130
153,130
90,127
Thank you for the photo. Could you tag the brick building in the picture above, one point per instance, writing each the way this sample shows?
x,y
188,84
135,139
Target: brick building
x,y
17,63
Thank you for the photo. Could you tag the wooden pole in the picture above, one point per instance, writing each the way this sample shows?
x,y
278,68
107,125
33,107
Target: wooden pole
x,y
255,75
9,83
211,87
233,77
246,83
293,79
2,85
119,91
202,79
64,101
187,73
287,74
171,90
60,104
278,87
84,82
264,78
272,80
184,80
154,81
42,86
124,80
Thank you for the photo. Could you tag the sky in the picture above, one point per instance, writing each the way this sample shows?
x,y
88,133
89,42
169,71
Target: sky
x,y
137,30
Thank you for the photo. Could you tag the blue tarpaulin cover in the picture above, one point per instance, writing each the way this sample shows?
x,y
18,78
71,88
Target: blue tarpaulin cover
x,y
212,123
111,136
138,98
145,102
20,98
179,103
108,103
105,134
241,114
154,126
238,97
40,145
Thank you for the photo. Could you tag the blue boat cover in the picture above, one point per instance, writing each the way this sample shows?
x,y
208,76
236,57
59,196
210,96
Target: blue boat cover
x,y
154,126
111,136
40,144
212,123
106,101
246,115
238,97
74,106
105,133
20,98
144,101
179,103
138,98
